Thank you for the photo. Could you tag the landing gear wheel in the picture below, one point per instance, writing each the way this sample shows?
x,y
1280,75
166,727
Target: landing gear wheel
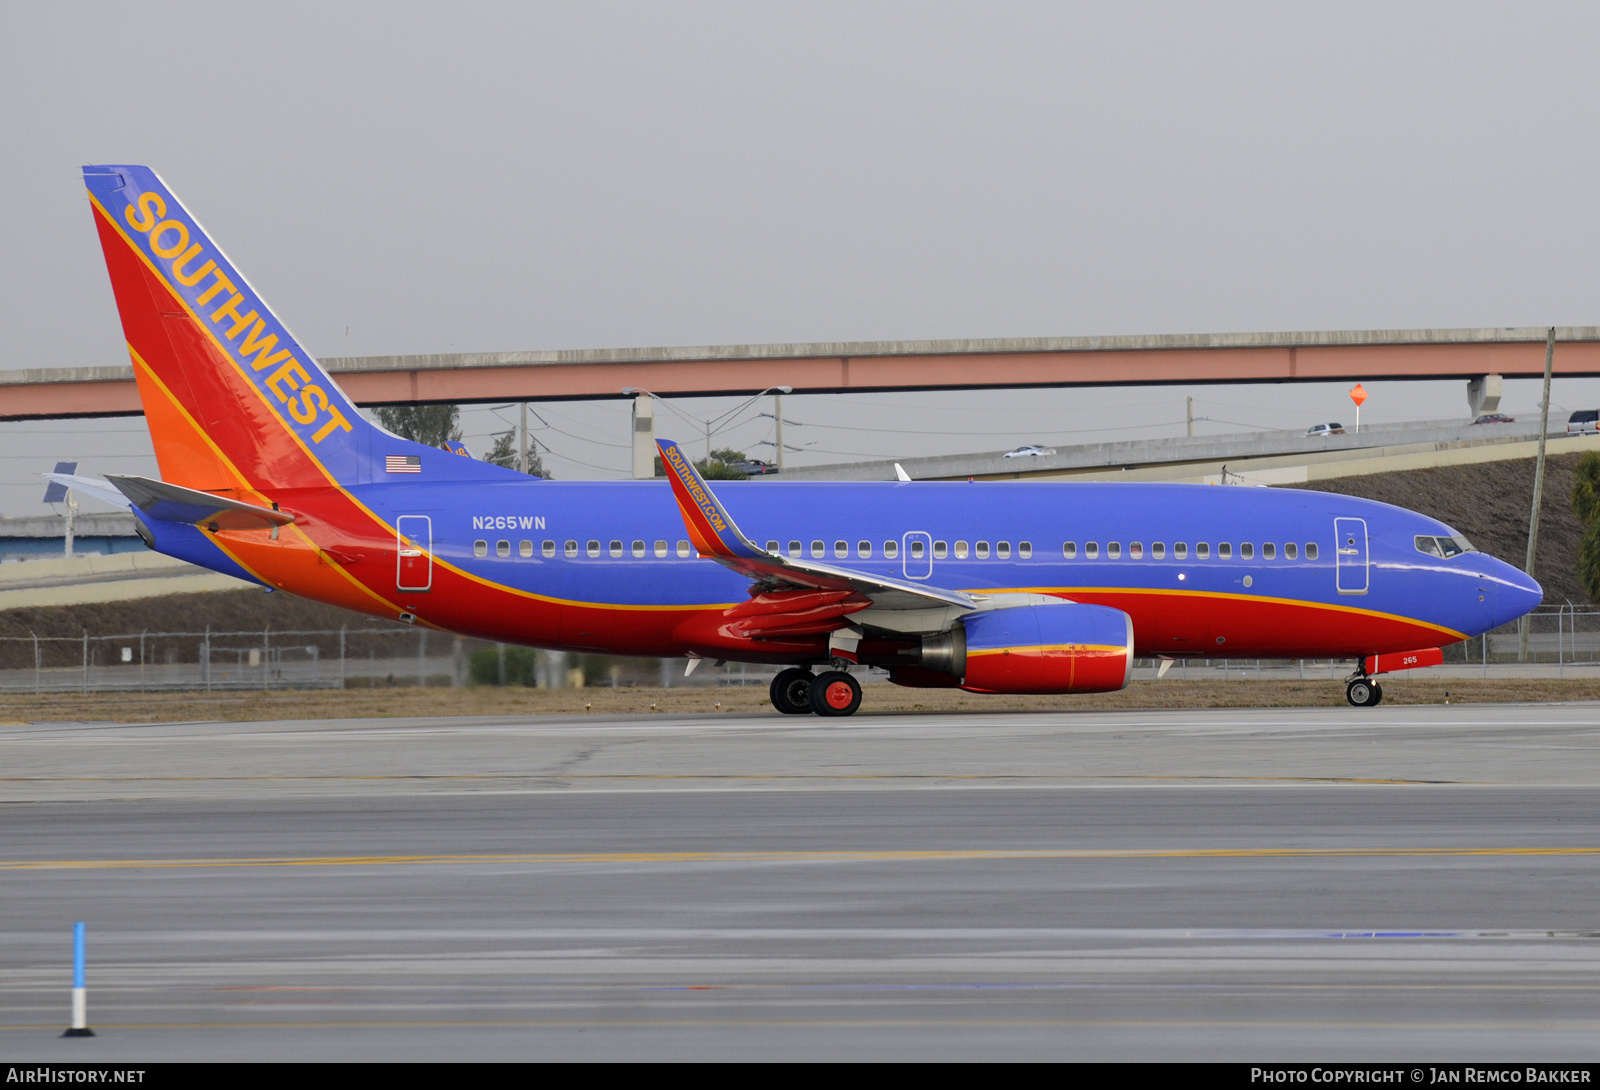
x,y
835,693
791,691
1363,693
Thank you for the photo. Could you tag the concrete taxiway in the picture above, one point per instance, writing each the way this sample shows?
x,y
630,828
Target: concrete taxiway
x,y
1262,885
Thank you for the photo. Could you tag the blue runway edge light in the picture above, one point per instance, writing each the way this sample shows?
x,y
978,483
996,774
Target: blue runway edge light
x,y
80,1003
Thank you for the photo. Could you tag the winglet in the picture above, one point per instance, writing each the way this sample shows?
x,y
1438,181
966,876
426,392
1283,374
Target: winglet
x,y
710,527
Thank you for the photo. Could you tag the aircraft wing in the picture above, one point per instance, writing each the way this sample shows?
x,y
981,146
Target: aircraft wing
x,y
717,538
174,504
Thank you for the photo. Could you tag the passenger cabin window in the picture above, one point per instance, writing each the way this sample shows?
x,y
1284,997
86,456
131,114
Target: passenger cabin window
x,y
772,547
593,548
1269,551
616,548
982,550
1113,550
480,548
1135,550
841,549
941,550
570,548
1224,550
638,548
1002,550
1180,550
683,548
1311,550
1025,550
864,549
818,548
1289,551
525,548
1247,551
1091,549
961,550
1158,550
794,548
661,548
502,548
1069,549
1202,550
917,549
891,549
548,549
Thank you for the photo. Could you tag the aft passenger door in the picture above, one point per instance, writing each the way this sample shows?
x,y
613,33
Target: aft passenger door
x,y
414,567
1350,555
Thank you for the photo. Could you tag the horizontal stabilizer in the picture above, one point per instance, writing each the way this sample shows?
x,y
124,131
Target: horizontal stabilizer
x,y
100,490
171,503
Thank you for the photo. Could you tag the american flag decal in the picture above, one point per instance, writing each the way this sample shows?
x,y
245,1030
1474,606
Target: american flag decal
x,y
403,463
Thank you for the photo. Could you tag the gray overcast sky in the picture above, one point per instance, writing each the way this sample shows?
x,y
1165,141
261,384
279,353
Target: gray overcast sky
x,y
492,177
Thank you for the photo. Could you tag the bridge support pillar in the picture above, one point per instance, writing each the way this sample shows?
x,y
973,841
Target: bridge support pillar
x,y
1483,393
644,437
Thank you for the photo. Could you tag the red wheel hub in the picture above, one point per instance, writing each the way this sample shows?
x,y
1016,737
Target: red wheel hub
x,y
838,695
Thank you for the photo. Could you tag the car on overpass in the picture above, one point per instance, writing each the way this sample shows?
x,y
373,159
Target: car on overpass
x,y
1030,451
1584,422
1325,429
1495,418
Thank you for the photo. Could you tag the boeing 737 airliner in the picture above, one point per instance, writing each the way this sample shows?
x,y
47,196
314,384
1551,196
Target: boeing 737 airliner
x,y
270,473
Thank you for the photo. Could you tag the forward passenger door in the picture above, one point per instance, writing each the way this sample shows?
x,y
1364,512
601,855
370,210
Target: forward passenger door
x,y
1350,564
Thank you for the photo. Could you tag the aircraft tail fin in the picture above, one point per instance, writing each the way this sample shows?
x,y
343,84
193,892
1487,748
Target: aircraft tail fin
x,y
234,401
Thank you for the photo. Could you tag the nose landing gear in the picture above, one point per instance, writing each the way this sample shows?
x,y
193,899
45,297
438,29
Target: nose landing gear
x,y
1363,692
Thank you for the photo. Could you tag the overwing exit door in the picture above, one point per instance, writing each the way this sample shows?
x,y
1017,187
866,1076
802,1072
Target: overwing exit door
x,y
1350,563
916,555
414,567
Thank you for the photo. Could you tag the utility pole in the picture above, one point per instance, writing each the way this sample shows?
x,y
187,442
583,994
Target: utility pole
x,y
522,452
72,514
777,418
1538,484
1189,412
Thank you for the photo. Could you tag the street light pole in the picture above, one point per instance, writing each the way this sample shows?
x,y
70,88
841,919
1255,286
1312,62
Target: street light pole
x,y
1538,485
777,417
522,454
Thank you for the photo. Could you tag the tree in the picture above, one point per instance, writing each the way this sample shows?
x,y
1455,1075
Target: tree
x,y
723,465
1589,560
1586,504
504,453
433,425
1586,488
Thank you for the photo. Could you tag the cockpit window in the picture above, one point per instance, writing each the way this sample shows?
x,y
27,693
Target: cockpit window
x,y
1444,547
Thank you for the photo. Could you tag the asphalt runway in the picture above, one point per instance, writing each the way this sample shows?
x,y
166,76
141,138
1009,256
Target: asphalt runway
x,y
1409,884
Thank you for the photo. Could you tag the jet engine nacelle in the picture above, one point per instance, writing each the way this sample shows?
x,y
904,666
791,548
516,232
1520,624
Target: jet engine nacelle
x,y
1066,648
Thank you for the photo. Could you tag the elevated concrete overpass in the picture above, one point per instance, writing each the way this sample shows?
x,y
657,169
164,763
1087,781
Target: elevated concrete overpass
x,y
870,366
1276,457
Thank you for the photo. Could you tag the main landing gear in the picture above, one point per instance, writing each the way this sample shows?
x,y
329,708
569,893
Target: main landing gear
x,y
1363,692
831,693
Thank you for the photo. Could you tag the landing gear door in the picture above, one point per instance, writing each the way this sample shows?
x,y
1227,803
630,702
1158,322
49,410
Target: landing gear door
x,y
414,569
1350,553
916,555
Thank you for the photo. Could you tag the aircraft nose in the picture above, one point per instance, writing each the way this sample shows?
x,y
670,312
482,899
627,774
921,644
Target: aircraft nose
x,y
1519,594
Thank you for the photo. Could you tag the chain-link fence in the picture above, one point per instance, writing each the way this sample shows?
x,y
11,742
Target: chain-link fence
x,y
346,658
349,658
